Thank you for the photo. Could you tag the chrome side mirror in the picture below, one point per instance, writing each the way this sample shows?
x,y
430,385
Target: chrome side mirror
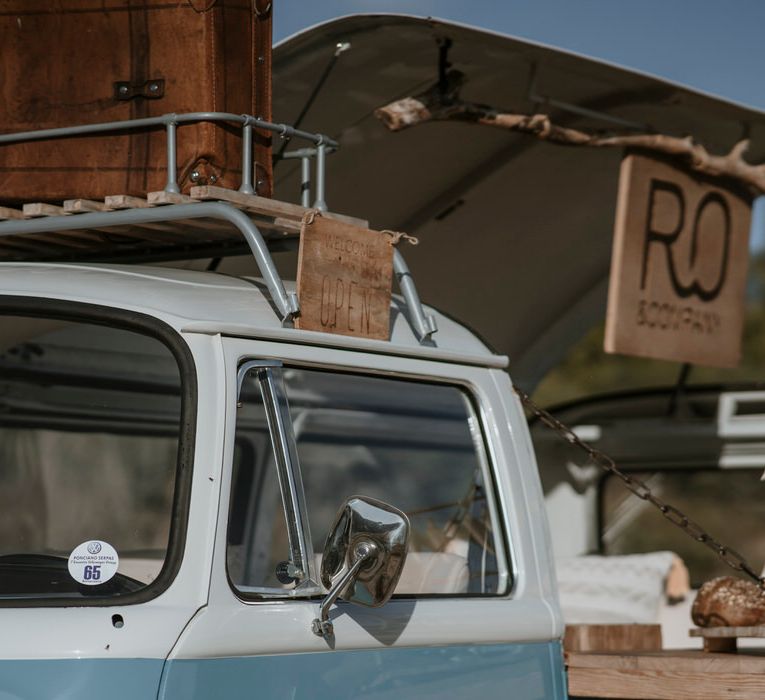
x,y
363,557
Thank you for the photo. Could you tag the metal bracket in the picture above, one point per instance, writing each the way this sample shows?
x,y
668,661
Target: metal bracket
x,y
150,89
423,325
538,99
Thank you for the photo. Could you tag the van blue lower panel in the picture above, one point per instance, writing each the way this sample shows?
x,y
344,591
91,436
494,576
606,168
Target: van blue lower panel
x,y
73,679
532,671
517,671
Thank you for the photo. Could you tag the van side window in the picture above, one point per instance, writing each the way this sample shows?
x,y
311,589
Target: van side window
x,y
415,445
90,429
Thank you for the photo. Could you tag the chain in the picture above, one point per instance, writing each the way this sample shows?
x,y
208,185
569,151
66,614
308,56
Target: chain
x,y
640,489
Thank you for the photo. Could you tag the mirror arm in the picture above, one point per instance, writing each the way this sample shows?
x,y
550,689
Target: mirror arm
x,y
322,626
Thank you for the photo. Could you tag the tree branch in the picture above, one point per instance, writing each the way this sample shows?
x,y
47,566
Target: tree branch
x,y
439,105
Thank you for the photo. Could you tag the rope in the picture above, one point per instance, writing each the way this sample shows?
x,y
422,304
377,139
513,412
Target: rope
x,y
309,216
397,236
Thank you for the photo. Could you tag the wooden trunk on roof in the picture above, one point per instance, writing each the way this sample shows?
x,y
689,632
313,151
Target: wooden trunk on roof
x,y
67,62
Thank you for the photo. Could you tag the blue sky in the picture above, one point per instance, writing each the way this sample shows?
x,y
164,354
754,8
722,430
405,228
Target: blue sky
x,y
712,45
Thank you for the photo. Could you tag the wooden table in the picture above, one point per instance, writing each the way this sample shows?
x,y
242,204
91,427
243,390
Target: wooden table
x,y
667,675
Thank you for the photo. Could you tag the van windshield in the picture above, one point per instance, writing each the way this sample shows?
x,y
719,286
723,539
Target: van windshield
x,y
89,434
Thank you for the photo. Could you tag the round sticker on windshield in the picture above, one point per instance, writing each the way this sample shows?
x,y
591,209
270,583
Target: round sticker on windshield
x,y
93,562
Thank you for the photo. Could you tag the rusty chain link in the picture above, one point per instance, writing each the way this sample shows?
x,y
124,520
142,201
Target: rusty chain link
x,y
730,556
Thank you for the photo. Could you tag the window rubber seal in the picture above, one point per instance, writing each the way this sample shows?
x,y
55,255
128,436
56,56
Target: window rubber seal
x,y
143,324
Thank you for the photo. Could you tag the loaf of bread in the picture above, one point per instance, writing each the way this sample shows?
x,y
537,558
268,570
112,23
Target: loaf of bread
x,y
729,602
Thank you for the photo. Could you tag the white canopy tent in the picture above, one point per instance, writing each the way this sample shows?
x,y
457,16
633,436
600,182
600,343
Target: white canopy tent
x,y
515,232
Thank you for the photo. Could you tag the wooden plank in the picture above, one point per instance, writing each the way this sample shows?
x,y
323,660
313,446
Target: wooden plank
x,y
756,631
725,639
34,210
19,245
125,201
117,202
78,206
667,674
170,232
163,233
612,638
250,202
289,224
344,279
112,236
689,660
664,685
679,264
7,213
162,197
77,240
279,224
264,206
106,239
196,230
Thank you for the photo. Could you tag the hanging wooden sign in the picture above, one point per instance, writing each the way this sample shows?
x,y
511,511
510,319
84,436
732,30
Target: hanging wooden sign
x,y
344,279
679,264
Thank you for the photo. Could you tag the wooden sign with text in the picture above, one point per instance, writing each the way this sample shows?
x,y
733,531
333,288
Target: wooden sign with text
x,y
344,279
679,264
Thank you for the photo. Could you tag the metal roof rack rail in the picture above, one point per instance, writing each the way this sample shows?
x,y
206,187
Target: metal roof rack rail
x,y
285,302
423,325
124,226
322,143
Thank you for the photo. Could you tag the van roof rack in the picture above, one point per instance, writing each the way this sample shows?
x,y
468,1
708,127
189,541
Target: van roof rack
x,y
210,221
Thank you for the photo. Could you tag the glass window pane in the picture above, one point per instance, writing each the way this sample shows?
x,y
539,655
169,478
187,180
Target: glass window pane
x,y
257,532
89,432
414,445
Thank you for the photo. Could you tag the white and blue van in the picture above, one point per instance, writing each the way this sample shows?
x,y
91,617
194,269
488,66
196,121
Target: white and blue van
x,y
199,500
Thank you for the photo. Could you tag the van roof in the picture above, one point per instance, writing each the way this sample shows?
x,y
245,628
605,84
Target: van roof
x,y
207,302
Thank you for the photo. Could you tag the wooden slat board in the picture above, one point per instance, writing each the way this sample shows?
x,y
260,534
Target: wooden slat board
x,y
249,202
79,206
270,216
37,209
666,675
612,638
754,632
162,198
344,279
679,264
124,201
70,241
266,207
6,213
725,639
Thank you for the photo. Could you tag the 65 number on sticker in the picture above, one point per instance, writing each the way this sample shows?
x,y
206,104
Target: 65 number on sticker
x,y
92,572
93,562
